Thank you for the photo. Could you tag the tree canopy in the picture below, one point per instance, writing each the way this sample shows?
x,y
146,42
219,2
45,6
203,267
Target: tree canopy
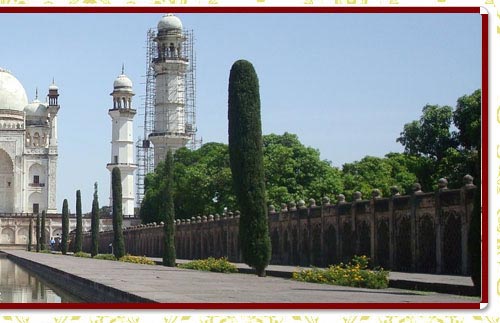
x,y
443,142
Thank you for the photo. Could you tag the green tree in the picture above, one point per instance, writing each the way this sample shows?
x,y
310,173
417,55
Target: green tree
x,y
65,227
294,171
94,250
37,229
431,135
43,238
168,211
30,235
467,118
116,187
150,205
79,226
247,165
441,151
374,172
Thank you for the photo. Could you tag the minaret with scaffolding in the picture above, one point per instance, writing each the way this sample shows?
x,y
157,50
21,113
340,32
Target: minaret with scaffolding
x,y
169,103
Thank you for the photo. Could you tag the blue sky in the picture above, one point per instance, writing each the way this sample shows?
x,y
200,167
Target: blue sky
x,y
344,83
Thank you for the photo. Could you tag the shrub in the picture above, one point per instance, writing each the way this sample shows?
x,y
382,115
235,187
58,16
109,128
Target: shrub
x,y
137,260
45,251
82,254
353,274
220,265
105,256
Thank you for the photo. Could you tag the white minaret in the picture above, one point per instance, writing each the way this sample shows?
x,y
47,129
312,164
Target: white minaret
x,y
170,74
122,143
52,109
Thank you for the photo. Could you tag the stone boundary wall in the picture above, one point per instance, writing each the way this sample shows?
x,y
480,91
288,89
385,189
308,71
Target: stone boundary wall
x,y
423,232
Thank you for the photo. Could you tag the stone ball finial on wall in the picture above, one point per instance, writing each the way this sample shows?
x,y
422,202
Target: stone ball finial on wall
x,y
442,184
193,219
312,202
188,221
356,196
416,188
301,204
325,200
210,218
395,191
217,217
469,181
291,205
284,207
204,218
198,219
271,209
237,214
230,214
341,198
376,194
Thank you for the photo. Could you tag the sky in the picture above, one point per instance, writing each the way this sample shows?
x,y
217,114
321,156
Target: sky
x,y
344,83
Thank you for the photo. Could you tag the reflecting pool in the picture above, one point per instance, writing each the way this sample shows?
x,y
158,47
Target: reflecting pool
x,y
19,285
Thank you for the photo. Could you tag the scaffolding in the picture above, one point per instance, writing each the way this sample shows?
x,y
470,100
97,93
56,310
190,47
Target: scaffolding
x,y
144,148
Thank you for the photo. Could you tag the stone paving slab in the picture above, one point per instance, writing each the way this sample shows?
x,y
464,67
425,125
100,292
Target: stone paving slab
x,y
176,285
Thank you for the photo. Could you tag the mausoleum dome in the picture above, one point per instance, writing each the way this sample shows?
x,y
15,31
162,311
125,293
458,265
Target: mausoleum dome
x,y
36,109
12,93
169,22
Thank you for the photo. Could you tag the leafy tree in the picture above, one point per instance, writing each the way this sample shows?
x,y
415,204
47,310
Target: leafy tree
x,y
65,227
374,172
467,118
43,238
37,229
79,226
247,165
294,172
116,186
443,152
168,210
430,136
94,250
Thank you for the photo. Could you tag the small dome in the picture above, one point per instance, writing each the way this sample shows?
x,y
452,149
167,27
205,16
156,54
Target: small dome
x,y
169,22
12,93
36,109
122,83
53,87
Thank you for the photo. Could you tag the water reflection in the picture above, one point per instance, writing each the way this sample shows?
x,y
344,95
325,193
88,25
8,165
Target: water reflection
x,y
18,285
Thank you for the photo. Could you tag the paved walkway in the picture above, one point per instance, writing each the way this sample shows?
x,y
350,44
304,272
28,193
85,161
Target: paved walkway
x,y
175,285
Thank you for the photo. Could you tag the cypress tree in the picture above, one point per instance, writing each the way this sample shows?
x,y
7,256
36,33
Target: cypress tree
x,y
94,250
245,153
65,227
168,208
79,229
30,235
37,230
116,187
43,238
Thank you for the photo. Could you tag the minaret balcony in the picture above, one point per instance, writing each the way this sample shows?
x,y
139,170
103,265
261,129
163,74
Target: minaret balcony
x,y
123,166
169,134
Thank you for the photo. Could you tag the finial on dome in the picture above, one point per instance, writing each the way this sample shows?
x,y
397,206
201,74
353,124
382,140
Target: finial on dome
x,y
123,68
36,93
